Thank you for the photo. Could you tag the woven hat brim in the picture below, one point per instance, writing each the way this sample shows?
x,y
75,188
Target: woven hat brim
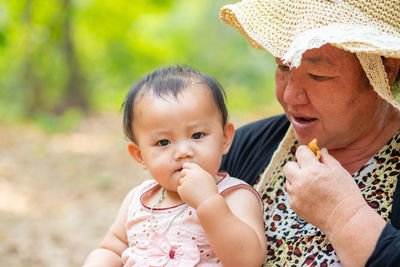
x,y
275,25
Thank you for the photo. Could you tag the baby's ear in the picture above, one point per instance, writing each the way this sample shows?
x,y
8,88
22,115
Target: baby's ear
x,y
229,133
136,154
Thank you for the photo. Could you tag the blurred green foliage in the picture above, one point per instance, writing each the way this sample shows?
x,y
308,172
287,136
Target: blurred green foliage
x,y
62,59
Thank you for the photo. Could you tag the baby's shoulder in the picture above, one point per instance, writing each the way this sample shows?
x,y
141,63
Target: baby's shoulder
x,y
229,182
143,187
146,184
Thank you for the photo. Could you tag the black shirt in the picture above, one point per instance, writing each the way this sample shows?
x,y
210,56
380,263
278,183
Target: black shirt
x,y
253,147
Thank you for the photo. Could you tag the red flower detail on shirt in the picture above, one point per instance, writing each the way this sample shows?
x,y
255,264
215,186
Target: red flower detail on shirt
x,y
172,254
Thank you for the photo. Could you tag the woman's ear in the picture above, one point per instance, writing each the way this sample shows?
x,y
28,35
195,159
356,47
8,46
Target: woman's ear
x,y
392,68
136,154
229,133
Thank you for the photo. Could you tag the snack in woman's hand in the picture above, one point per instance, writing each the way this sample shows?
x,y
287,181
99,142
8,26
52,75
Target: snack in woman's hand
x,y
313,145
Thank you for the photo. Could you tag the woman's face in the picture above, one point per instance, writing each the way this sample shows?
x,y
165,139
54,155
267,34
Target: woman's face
x,y
328,97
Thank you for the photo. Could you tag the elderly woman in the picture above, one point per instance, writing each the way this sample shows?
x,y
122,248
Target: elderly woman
x,y
337,76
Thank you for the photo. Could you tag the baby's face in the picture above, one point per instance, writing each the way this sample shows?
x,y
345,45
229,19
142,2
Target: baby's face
x,y
173,130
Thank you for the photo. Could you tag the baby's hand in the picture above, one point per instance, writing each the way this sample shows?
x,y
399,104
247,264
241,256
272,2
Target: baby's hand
x,y
196,185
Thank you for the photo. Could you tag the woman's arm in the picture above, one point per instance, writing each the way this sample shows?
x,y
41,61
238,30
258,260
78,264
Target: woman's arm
x,y
325,195
108,254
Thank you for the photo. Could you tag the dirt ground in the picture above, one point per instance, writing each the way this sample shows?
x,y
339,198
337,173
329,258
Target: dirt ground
x,y
59,193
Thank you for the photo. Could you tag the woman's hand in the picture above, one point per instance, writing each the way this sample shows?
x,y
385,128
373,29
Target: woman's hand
x,y
321,192
324,194
196,185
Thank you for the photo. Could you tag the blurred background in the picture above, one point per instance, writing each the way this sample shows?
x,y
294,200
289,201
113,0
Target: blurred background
x,y
65,66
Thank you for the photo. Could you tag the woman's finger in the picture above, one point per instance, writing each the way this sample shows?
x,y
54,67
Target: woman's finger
x,y
288,187
290,170
305,157
327,159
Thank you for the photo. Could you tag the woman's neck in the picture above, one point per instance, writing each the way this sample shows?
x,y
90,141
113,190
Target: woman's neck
x,y
356,154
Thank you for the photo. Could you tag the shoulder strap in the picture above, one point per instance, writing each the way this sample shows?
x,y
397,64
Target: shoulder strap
x,y
232,183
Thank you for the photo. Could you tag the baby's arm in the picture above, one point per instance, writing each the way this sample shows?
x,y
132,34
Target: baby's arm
x,y
115,242
234,227
233,222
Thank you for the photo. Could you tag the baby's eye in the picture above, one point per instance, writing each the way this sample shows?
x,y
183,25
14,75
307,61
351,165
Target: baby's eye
x,y
163,142
197,135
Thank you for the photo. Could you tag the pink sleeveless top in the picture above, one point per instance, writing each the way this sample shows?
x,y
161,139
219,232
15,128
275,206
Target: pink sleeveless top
x,y
184,244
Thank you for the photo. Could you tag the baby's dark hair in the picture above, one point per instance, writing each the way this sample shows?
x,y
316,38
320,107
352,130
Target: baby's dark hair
x,y
169,81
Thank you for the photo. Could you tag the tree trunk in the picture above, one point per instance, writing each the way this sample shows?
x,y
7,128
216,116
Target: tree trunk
x,y
75,91
30,79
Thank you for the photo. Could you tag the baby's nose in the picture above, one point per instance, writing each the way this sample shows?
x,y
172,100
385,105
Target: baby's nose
x,y
183,150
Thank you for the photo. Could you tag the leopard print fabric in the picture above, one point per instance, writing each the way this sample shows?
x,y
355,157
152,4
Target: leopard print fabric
x,y
292,241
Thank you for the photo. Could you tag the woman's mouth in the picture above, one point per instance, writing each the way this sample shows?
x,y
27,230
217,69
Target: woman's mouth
x,y
304,119
303,123
304,127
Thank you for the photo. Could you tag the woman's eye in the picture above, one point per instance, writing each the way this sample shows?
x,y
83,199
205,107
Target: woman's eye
x,y
197,135
319,78
163,142
283,67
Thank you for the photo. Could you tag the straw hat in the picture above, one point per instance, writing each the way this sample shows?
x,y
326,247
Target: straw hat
x,y
288,28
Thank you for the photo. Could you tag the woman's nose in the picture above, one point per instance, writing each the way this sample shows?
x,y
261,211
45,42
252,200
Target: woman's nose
x,y
183,150
294,92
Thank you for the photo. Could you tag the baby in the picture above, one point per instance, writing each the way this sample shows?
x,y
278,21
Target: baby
x,y
191,214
